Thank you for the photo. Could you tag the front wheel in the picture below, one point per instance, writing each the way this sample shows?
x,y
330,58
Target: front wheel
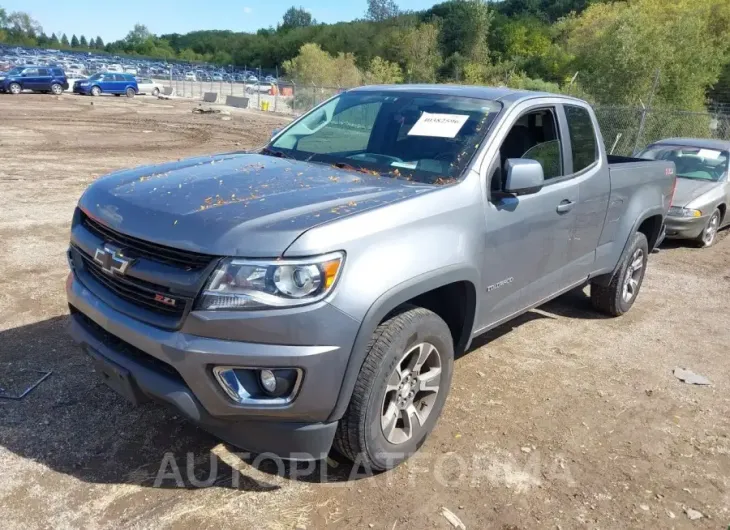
x,y
617,297
709,234
130,92
95,91
400,390
57,89
156,92
15,88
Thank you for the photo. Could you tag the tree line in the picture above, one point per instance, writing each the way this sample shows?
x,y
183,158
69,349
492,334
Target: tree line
x,y
675,53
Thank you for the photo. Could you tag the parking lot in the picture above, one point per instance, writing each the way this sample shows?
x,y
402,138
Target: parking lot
x,y
559,419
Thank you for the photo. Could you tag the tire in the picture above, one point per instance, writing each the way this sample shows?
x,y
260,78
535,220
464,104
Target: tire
x,y
56,89
617,297
95,91
130,92
378,399
156,92
708,237
15,88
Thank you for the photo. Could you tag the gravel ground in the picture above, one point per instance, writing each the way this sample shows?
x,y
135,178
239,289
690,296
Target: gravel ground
x,y
560,419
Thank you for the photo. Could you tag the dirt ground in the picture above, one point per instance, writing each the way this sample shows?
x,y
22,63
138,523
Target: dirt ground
x,y
561,419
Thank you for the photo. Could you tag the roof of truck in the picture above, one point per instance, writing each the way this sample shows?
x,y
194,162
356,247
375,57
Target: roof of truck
x,y
707,143
504,94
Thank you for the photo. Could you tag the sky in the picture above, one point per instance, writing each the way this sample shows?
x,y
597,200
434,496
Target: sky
x,y
112,20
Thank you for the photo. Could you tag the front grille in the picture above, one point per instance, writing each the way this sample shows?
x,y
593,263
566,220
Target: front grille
x,y
136,291
139,248
122,347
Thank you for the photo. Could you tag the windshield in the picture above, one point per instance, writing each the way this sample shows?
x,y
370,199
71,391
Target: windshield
x,y
95,77
691,162
424,137
15,71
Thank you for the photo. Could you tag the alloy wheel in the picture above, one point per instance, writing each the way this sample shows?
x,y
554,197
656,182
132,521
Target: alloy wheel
x,y
633,275
410,393
710,232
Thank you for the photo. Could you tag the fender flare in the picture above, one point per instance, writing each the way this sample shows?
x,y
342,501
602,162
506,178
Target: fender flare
x,y
385,304
605,279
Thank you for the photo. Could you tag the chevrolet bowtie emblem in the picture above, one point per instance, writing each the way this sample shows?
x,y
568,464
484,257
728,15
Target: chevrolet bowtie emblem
x,y
111,260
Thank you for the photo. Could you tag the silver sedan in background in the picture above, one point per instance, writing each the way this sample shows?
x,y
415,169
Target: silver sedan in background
x,y
702,195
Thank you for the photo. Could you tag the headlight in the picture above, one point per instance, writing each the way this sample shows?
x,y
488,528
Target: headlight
x,y
676,211
254,284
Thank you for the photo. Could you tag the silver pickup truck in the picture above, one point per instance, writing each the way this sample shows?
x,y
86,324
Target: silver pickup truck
x,y
315,292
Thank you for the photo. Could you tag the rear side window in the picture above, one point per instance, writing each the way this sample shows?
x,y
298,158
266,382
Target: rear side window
x,y
57,71
582,137
118,77
43,71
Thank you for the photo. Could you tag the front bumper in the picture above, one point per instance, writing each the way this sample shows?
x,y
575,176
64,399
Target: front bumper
x,y
685,227
176,367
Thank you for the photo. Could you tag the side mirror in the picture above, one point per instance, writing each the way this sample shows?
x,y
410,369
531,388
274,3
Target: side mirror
x,y
524,176
275,131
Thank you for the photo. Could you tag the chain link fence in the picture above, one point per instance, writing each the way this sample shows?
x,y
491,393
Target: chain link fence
x,y
629,129
625,129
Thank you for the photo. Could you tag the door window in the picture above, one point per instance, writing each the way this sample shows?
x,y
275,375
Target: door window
x,y
43,72
582,137
30,72
534,136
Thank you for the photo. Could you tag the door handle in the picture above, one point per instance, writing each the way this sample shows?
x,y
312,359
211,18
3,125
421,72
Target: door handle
x,y
565,206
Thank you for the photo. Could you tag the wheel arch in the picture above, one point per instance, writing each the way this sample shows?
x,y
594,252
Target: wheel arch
x,y
650,224
434,291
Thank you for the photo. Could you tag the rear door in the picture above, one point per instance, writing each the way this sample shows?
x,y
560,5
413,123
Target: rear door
x,y
44,79
588,166
527,238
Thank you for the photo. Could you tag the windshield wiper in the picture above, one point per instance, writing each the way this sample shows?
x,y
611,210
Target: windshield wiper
x,y
344,165
274,152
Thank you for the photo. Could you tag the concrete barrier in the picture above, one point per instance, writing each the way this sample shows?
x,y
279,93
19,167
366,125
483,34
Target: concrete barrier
x,y
167,90
237,101
210,97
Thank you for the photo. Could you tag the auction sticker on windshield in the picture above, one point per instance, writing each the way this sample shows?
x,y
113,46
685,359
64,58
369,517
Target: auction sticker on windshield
x,y
438,125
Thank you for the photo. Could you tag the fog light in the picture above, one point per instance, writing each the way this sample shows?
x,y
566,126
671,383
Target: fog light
x,y
259,386
268,380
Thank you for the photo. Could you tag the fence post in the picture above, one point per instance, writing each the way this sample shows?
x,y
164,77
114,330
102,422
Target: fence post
x,y
644,112
314,95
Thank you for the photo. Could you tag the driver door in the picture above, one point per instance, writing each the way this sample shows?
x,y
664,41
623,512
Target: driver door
x,y
527,237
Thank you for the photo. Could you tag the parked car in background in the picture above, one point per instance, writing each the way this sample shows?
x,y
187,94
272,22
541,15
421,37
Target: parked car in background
x,y
286,317
108,83
72,77
702,196
34,78
190,76
145,85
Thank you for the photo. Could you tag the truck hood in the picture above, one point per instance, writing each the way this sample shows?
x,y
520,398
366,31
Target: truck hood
x,y
235,204
688,190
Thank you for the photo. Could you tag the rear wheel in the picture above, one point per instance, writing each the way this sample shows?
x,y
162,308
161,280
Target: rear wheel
x,y
131,92
156,92
15,88
400,390
709,234
95,91
617,297
57,89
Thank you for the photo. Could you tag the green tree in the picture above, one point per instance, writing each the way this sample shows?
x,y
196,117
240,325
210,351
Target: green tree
x,y
64,41
620,47
83,42
379,10
297,17
53,41
419,50
74,41
465,26
99,43
312,66
382,72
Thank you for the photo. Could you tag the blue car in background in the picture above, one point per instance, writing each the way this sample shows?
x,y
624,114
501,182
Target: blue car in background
x,y
107,83
35,78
